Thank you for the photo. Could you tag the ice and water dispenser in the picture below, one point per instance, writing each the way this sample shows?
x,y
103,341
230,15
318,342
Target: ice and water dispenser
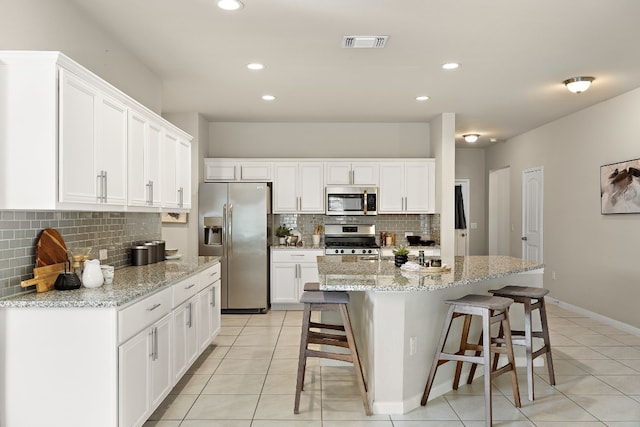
x,y
212,230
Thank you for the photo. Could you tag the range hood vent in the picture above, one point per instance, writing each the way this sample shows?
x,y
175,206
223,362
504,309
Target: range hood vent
x,y
364,42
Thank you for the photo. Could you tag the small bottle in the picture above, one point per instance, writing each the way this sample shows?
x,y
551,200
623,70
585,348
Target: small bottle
x,y
421,257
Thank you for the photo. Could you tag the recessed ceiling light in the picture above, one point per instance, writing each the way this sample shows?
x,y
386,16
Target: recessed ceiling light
x,y
450,65
268,97
493,139
422,98
255,66
230,4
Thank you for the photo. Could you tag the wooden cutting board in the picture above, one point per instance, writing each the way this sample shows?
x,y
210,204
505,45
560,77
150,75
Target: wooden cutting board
x,y
50,248
44,277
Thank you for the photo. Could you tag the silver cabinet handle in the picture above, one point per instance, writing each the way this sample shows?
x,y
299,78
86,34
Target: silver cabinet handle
x,y
104,196
154,307
99,187
190,286
155,342
213,296
181,196
190,318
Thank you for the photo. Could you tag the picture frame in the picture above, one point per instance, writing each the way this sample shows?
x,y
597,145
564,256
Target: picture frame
x,y
174,217
620,187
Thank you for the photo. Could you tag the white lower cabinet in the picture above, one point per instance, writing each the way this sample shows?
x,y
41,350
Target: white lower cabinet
x,y
144,372
290,270
184,343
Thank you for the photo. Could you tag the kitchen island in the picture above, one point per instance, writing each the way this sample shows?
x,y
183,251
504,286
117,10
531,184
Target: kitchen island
x,y
107,356
398,315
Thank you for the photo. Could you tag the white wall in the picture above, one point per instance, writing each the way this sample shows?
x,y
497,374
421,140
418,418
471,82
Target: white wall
x,y
443,146
470,165
242,139
594,256
58,25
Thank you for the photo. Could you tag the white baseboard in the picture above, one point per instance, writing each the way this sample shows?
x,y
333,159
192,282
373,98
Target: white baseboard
x,y
604,319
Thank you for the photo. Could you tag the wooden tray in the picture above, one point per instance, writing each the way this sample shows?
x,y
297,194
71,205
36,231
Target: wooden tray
x,y
50,248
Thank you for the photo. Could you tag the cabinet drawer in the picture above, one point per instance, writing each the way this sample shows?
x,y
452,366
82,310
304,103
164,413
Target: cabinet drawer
x,y
135,318
185,289
209,276
288,255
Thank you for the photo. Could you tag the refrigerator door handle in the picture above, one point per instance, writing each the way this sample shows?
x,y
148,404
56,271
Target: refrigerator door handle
x,y
230,230
224,230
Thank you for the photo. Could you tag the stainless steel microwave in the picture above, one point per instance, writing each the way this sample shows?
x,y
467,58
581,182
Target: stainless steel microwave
x,y
351,200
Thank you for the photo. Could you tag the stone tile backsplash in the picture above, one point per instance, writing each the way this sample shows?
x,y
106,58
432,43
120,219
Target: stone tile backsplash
x,y
426,225
113,231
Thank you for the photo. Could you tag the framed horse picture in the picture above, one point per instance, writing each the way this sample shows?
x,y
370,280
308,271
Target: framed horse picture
x,y
620,187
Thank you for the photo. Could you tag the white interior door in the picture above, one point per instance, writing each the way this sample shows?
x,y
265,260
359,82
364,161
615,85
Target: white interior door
x,y
499,211
532,197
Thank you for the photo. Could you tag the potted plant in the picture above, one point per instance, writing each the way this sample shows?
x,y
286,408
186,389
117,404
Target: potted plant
x,y
401,255
282,232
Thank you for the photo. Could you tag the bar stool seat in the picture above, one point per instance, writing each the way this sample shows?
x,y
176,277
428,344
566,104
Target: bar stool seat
x,y
322,333
532,299
492,309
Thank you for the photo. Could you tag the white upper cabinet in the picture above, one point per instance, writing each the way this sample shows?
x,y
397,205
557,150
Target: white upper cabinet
x,y
145,139
176,173
298,187
77,143
407,187
236,170
92,145
183,174
351,173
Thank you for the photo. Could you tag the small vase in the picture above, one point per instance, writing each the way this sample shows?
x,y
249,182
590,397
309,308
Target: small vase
x,y
282,240
400,259
315,238
92,274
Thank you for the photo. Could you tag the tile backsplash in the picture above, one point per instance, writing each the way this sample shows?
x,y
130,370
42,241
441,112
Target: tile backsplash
x,y
426,225
113,231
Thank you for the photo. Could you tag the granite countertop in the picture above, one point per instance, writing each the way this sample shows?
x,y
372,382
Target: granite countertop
x,y
353,273
129,284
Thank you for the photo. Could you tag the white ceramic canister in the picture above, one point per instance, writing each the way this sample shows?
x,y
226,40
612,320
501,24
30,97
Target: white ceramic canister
x,y
92,274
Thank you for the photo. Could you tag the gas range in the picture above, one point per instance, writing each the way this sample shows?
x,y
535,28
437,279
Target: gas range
x,y
356,239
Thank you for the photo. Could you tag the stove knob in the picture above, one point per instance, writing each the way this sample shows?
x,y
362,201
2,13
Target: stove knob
x,y
341,251
336,251
353,251
369,251
364,251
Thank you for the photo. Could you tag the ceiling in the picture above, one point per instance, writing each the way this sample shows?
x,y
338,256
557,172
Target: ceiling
x,y
514,54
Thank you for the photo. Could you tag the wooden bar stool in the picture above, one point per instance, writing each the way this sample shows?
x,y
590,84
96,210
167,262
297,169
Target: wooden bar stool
x,y
493,310
315,300
532,299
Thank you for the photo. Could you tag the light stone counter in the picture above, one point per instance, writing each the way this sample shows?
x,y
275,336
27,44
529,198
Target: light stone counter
x,y
129,284
353,273
398,315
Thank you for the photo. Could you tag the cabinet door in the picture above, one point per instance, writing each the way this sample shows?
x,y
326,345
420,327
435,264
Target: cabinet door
x,y
391,192
207,323
185,344
138,191
338,173
77,156
134,376
111,149
285,196
308,273
154,148
284,282
418,184
311,187
365,173
184,174
161,379
255,171
169,180
219,170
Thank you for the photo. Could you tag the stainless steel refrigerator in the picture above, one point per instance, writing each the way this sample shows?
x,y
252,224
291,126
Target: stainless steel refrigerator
x,y
233,225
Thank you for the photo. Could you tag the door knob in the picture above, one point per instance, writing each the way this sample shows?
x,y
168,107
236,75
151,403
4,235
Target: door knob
x,y
524,238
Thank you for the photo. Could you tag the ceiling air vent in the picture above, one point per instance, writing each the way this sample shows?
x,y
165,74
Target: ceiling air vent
x,y
364,42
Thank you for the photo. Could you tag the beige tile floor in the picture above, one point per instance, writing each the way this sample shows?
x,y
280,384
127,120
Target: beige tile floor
x,y
247,379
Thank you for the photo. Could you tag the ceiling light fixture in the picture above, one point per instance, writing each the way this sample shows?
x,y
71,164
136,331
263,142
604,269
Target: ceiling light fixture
x,y
471,137
230,4
268,97
578,84
422,98
450,66
255,66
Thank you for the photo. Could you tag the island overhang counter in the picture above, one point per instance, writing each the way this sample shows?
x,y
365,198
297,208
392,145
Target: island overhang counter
x,y
398,314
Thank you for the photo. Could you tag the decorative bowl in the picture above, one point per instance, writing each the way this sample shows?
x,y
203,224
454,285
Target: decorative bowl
x,y
170,252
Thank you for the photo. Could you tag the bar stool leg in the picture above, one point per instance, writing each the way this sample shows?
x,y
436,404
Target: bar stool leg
x,y
547,342
486,352
463,347
528,340
356,360
436,358
302,358
506,328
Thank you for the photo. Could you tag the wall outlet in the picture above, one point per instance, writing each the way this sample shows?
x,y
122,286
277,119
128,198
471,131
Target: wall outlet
x,y
413,345
102,255
474,225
